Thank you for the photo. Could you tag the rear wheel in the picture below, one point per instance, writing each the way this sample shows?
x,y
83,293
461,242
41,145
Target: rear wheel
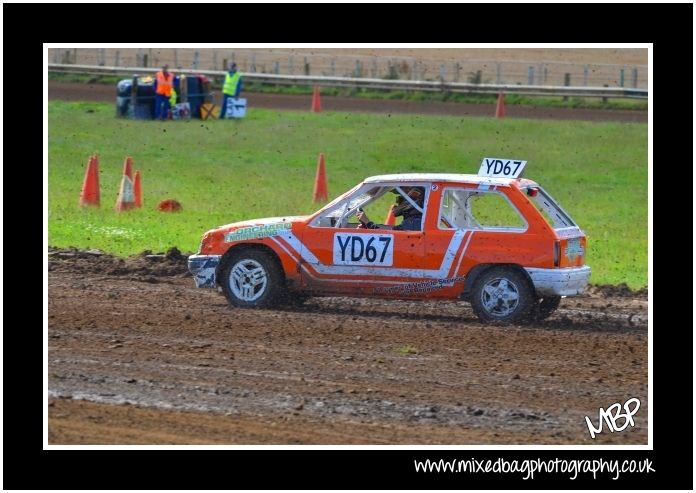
x,y
252,278
502,294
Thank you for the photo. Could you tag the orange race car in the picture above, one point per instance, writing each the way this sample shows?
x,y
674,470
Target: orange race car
x,y
494,239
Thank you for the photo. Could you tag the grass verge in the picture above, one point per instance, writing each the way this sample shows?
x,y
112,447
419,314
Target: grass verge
x,y
264,165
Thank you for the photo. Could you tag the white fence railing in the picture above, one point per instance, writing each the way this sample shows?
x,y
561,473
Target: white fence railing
x,y
370,83
449,65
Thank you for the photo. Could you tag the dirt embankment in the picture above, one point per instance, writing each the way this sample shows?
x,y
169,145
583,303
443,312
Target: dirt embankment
x,y
137,354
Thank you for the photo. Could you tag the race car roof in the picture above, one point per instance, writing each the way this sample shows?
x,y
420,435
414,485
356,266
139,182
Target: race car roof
x,y
442,177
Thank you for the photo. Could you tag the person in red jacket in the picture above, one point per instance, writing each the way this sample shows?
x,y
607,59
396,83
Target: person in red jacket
x,y
164,83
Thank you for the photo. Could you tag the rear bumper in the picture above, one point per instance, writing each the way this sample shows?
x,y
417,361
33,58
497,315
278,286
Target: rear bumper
x,y
203,268
560,282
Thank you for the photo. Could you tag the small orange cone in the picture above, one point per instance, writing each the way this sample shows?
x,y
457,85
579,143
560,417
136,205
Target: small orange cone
x,y
500,106
126,196
390,219
320,188
137,190
89,195
128,167
316,101
169,205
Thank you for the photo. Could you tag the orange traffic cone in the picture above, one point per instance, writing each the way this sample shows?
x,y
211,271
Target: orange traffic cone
x,y
126,196
136,189
89,195
169,205
500,106
390,219
316,100
128,167
320,188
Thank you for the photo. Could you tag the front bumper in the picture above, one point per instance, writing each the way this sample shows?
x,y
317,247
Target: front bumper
x,y
203,268
560,282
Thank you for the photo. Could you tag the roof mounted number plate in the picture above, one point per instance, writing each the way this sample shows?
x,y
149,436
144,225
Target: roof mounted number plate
x,y
501,168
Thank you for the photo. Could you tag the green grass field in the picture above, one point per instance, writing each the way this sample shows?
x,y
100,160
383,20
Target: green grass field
x,y
264,165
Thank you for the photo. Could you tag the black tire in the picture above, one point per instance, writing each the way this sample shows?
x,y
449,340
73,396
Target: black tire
x,y
546,306
252,278
503,294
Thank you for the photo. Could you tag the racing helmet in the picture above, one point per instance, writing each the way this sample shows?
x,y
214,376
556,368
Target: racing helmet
x,y
403,207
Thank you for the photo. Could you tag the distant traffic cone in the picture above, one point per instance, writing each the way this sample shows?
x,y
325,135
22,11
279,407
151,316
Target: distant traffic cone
x,y
500,106
390,220
320,188
126,197
136,189
128,167
89,195
316,100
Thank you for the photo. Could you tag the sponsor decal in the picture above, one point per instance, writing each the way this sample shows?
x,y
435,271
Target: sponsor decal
x,y
420,287
255,232
363,249
574,249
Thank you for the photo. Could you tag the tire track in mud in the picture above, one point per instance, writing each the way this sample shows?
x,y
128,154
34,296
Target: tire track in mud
x,y
401,365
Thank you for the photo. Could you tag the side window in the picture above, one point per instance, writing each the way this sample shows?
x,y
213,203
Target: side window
x,y
475,209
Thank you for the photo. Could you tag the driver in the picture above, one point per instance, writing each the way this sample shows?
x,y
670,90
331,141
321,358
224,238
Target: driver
x,y
402,207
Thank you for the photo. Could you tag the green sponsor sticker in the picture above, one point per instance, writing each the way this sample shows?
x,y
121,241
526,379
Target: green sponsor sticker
x,y
255,232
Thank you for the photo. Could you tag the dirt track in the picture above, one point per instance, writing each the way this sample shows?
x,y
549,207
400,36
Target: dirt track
x,y
137,354
97,92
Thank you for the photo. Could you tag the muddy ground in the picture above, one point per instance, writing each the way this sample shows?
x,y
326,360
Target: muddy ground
x,y
71,91
138,355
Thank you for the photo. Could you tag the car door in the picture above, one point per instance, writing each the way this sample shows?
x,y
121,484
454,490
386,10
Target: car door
x,y
356,261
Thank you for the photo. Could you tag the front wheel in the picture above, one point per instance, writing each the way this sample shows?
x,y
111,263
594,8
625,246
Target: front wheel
x,y
252,278
502,294
546,306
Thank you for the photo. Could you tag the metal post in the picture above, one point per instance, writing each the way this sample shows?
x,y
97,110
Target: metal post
x,y
497,73
457,68
183,88
306,66
117,57
566,82
585,73
374,67
621,77
333,66
414,70
276,67
546,73
634,76
134,94
442,72
604,99
253,62
75,56
194,64
530,76
358,69
102,57
215,65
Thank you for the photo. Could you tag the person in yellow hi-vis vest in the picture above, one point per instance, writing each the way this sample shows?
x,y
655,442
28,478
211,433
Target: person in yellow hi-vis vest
x,y
231,87
163,91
